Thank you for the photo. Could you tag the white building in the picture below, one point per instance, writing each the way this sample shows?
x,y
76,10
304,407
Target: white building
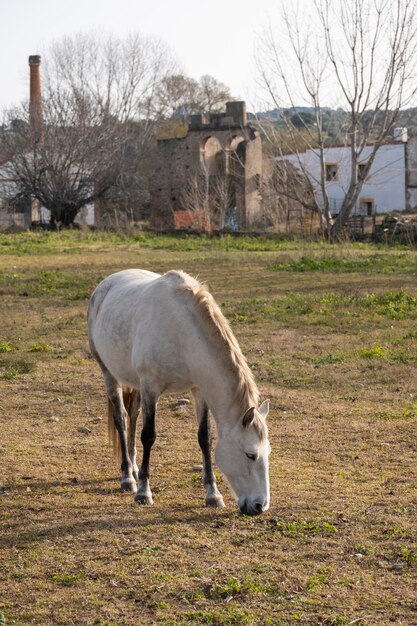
x,y
383,191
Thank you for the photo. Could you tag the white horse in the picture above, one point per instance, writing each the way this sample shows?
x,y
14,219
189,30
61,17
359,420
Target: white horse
x,y
154,334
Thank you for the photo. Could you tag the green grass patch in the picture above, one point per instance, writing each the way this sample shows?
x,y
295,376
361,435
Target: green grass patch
x,y
374,263
375,352
409,412
316,581
323,308
232,587
392,304
9,279
57,283
71,242
331,358
408,556
224,617
303,527
7,346
40,347
68,580
12,366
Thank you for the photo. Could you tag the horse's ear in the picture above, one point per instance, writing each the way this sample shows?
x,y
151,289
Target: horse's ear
x,y
264,409
248,417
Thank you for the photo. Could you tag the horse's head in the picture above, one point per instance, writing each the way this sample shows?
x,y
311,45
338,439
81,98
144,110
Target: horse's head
x,y
242,456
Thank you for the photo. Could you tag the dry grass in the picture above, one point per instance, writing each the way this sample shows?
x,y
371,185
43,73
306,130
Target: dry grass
x,y
336,351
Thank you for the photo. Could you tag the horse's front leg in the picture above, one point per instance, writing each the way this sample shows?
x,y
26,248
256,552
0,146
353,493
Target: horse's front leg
x,y
213,496
148,436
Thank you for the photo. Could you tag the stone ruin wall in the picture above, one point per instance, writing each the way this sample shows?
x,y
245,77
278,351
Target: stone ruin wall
x,y
224,147
175,159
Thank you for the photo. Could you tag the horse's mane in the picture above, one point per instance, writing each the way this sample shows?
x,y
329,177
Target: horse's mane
x,y
247,392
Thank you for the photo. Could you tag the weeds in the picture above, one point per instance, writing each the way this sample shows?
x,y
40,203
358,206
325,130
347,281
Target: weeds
x,y
375,352
410,411
232,587
408,556
316,581
7,346
40,347
68,580
10,368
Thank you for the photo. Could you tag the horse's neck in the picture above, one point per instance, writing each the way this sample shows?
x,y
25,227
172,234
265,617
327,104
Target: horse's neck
x,y
218,385
215,372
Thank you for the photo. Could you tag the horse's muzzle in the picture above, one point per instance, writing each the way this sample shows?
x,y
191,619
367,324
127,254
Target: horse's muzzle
x,y
252,508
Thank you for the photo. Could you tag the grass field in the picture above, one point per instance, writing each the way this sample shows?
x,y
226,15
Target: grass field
x,y
331,335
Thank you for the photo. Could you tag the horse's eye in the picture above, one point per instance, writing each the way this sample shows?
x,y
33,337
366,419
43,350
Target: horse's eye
x,y
252,457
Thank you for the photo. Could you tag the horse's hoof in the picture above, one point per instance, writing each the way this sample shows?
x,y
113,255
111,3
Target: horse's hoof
x,y
216,502
142,498
129,484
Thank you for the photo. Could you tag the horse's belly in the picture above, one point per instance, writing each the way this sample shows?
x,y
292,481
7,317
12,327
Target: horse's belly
x,y
120,367
164,377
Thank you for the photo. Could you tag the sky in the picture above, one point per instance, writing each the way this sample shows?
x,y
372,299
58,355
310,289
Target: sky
x,y
217,37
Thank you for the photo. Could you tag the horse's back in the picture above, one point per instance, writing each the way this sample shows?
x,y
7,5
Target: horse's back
x,y
124,288
116,282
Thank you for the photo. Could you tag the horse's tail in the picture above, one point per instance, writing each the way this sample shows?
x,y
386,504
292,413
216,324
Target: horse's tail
x,y
114,439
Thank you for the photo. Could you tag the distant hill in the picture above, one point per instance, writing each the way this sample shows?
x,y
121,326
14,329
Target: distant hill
x,y
335,121
275,116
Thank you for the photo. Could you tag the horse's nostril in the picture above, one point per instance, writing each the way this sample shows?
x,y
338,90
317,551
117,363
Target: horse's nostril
x,y
255,508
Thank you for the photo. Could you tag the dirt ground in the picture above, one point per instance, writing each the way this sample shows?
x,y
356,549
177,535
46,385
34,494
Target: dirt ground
x,y
333,344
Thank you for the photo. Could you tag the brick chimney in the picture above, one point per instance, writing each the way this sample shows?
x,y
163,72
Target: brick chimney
x,y
35,99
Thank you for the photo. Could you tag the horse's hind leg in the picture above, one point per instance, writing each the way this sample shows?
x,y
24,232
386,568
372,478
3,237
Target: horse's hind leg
x,y
213,496
115,393
148,436
132,404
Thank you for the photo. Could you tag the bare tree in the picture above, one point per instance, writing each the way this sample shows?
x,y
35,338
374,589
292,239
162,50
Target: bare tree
x,y
193,201
359,55
178,96
96,111
210,200
213,94
287,196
